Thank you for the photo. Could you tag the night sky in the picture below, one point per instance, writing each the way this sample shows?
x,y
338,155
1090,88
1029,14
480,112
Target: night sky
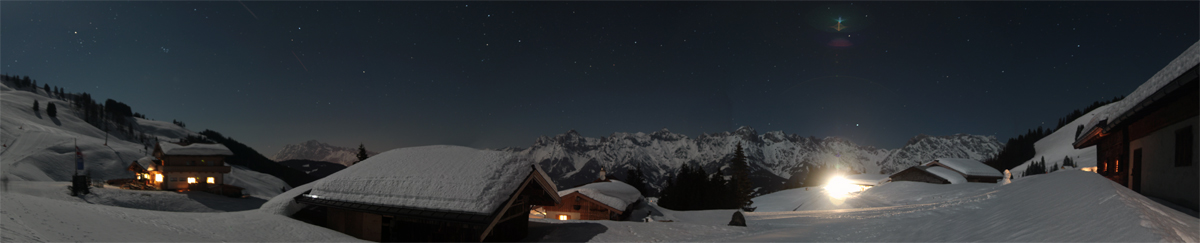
x,y
498,74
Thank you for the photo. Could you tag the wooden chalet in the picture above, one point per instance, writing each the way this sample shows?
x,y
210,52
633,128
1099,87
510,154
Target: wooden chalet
x,y
603,199
191,166
1147,141
195,166
972,170
431,193
928,174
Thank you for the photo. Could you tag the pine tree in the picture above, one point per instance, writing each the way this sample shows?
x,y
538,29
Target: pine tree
x,y
46,87
51,110
362,153
741,178
35,106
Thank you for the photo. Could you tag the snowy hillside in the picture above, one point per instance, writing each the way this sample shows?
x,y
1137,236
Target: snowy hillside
x,y
572,159
318,151
42,148
1057,146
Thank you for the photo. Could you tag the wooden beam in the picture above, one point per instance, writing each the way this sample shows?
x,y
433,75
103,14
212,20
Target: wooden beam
x,y
504,208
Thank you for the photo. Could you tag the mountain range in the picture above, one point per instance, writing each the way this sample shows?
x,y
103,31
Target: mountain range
x,y
318,151
572,159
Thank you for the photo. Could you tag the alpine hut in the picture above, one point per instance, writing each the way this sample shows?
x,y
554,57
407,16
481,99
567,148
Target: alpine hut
x,y
1147,141
432,193
187,166
603,199
972,170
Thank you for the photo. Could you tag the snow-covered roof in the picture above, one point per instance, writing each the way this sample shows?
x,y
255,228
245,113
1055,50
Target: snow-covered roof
x,y
146,162
968,167
947,174
437,177
196,149
613,193
867,179
1188,59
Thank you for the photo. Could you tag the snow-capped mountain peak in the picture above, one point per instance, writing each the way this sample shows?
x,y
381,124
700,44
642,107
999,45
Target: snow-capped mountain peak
x,y
318,151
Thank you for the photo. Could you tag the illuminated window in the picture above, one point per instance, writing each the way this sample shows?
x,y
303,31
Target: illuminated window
x,y
191,180
212,180
563,217
158,178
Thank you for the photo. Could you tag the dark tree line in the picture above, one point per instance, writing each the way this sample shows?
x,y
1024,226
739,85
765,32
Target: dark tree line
x,y
1077,113
1020,149
1017,150
695,189
1039,167
245,156
636,179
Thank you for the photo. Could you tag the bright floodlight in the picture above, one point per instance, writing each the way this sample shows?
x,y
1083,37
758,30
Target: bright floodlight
x,y
839,187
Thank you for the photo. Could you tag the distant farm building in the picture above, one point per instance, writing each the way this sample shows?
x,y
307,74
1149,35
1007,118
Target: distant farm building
x,y
186,167
431,193
1147,141
949,171
929,174
603,199
972,170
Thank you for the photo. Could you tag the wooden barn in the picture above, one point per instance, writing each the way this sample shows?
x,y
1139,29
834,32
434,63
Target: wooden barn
x,y
1147,141
603,199
431,193
929,174
971,170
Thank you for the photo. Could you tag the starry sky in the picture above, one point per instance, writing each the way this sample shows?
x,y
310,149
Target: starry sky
x,y
499,74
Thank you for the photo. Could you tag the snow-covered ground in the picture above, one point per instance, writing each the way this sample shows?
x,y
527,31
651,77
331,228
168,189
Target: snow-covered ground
x,y
1060,206
45,211
1057,145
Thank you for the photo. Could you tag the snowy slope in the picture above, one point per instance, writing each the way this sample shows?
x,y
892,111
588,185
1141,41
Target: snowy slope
x,y
572,159
1057,145
318,151
1064,206
41,148
44,211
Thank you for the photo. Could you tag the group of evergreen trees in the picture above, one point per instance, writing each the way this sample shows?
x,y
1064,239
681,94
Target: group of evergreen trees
x,y
636,179
1039,167
694,189
1020,149
1017,150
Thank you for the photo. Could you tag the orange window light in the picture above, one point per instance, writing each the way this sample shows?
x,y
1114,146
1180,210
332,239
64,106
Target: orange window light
x,y
191,180
158,178
563,217
212,180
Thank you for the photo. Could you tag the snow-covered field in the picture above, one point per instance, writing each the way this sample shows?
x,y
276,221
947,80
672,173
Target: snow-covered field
x,y
1060,206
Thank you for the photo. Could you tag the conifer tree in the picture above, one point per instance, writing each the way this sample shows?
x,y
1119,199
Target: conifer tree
x,y
35,106
51,110
362,153
741,178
